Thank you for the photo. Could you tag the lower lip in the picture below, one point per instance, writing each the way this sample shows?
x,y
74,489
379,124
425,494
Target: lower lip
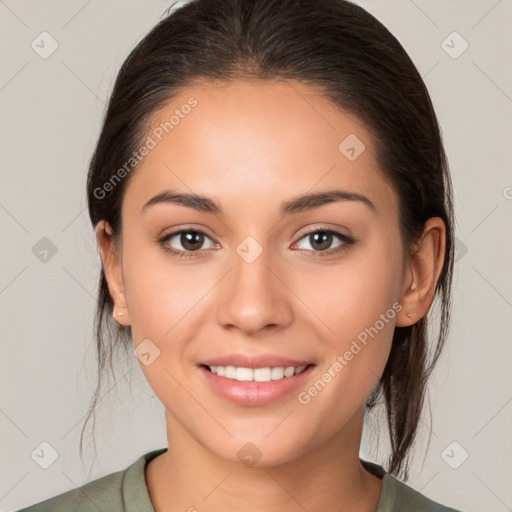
x,y
254,393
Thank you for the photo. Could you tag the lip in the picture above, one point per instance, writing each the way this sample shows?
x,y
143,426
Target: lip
x,y
256,361
253,394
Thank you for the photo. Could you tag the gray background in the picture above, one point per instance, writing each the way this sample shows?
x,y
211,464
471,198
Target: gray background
x,y
51,111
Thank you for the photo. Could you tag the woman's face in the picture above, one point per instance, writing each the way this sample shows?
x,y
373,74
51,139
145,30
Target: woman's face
x,y
260,284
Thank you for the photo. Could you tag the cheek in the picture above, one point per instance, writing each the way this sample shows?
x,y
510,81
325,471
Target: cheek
x,y
357,302
352,296
159,298
358,306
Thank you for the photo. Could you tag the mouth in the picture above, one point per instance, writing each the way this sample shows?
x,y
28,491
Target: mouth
x,y
259,386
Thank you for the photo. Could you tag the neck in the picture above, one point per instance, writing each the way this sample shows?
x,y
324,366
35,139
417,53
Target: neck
x,y
329,476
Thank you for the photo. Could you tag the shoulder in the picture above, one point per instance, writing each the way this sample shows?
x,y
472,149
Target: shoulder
x,y
116,492
407,499
103,494
398,496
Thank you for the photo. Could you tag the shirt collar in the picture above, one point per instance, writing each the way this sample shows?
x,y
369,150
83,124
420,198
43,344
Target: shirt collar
x,y
134,489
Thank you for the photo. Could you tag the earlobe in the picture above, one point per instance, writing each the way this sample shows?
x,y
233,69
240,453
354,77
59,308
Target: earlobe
x,y
424,268
111,261
120,312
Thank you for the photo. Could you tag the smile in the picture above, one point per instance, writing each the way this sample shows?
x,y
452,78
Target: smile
x,y
258,386
265,374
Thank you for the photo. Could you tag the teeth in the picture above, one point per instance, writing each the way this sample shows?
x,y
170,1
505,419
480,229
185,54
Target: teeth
x,y
262,374
257,374
244,374
277,373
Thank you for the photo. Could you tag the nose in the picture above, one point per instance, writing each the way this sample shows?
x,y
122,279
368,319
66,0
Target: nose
x,y
255,295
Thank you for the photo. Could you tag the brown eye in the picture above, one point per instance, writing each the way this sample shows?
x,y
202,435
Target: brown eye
x,y
321,240
186,242
191,240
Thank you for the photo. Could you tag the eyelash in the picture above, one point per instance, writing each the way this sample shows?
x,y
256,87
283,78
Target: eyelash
x,y
191,254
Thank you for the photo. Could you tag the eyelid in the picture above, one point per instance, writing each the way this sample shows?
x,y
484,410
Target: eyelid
x,y
184,228
323,227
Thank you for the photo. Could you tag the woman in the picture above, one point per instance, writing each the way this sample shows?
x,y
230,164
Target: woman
x,y
273,211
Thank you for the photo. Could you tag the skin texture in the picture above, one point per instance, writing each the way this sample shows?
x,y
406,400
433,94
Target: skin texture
x,y
250,146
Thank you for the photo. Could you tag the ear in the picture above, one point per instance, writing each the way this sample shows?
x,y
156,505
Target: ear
x,y
111,260
424,268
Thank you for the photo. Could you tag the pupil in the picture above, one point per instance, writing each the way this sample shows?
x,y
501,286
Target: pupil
x,y
325,235
187,243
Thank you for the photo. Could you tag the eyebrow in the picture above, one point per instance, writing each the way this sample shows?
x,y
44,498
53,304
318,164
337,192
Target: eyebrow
x,y
297,204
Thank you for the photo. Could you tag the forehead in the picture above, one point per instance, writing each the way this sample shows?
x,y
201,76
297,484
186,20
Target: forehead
x,y
256,139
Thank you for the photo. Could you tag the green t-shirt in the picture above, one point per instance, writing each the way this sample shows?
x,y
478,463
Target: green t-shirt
x,y
126,491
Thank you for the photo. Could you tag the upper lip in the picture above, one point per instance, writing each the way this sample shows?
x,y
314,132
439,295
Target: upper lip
x,y
255,361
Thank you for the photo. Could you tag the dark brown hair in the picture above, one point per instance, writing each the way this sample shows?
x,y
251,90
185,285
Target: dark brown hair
x,y
343,51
